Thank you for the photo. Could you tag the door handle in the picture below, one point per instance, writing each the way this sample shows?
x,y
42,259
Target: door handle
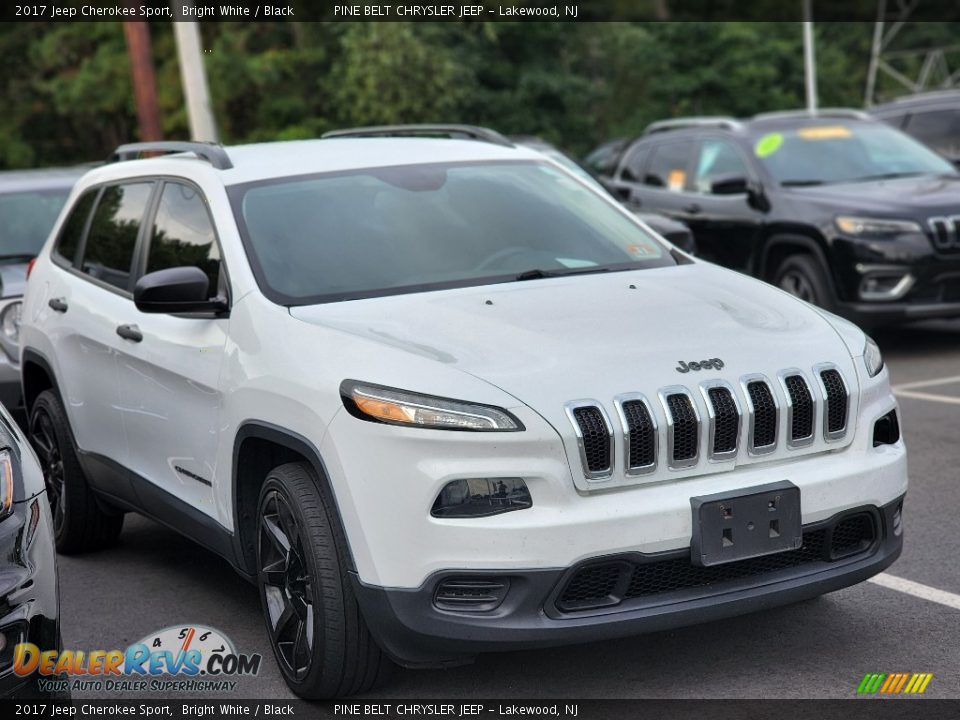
x,y
693,208
130,332
58,305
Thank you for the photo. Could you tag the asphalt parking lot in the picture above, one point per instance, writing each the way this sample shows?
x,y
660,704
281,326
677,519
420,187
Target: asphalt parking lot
x,y
817,649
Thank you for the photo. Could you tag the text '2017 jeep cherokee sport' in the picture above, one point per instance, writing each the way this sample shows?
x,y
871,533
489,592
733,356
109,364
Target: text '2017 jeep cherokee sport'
x,y
439,396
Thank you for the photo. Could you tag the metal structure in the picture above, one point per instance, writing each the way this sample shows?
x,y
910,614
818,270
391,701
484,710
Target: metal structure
x,y
939,66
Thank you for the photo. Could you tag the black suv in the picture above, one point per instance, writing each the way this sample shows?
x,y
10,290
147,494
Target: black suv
x,y
836,208
932,117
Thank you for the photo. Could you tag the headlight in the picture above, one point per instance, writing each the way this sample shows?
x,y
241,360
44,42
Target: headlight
x,y
876,227
399,407
6,483
10,321
872,357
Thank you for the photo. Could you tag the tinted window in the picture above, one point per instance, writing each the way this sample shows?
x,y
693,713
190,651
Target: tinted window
x,y
112,239
412,228
603,160
73,228
668,166
26,219
940,129
634,163
718,159
183,234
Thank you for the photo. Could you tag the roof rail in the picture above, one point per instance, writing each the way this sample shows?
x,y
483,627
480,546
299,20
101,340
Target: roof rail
x,y
213,153
949,93
850,113
470,132
727,123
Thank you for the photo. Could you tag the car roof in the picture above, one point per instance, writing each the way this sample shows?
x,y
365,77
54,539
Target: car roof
x,y
264,161
933,99
13,181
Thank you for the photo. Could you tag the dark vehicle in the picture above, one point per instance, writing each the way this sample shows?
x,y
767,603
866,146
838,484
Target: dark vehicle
x,y
674,231
932,118
30,201
29,606
836,208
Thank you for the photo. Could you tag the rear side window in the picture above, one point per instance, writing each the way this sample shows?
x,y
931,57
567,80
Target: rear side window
x,y
108,254
940,129
718,159
668,166
69,241
183,234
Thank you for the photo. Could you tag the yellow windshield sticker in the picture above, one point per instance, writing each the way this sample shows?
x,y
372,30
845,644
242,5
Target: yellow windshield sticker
x,y
824,132
676,180
768,144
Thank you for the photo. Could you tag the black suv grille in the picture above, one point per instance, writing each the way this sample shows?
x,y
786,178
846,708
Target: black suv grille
x,y
726,421
801,426
764,414
641,433
686,429
596,438
613,582
836,400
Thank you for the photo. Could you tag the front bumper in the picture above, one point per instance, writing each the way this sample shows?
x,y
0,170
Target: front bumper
x,y
29,606
415,633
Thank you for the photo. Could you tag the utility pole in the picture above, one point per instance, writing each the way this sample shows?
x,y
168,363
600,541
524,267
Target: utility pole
x,y
144,84
809,61
194,78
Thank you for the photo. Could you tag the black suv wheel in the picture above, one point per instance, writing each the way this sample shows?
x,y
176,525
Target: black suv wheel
x,y
79,523
318,635
801,276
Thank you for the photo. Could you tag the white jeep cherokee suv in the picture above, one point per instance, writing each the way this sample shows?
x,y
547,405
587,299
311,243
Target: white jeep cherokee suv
x,y
438,396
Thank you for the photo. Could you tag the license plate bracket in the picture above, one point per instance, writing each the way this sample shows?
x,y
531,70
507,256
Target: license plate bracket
x,y
746,523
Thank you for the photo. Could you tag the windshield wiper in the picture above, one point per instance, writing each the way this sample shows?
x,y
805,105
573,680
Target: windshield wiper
x,y
537,273
801,183
887,176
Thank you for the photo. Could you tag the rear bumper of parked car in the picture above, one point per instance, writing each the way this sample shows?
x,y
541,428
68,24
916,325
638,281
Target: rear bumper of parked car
x,y
28,590
416,633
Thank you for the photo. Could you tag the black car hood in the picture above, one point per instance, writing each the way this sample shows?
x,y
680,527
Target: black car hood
x,y
909,196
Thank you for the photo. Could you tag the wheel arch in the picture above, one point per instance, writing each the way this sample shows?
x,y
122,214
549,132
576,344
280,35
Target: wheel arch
x,y
781,243
259,447
36,375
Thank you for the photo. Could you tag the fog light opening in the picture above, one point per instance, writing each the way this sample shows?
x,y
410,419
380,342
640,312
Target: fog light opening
x,y
886,431
886,286
480,497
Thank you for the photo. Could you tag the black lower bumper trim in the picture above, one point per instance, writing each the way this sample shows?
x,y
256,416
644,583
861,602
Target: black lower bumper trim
x,y
416,634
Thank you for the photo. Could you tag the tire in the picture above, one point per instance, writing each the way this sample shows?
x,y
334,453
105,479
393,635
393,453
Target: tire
x,y
304,589
79,522
802,277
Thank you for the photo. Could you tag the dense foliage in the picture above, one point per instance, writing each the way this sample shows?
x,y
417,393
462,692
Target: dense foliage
x,y
67,97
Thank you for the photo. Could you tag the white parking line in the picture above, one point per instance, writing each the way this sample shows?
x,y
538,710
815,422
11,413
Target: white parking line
x,y
926,383
924,592
927,396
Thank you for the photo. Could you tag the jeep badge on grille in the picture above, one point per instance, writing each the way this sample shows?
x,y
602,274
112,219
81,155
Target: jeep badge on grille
x,y
685,367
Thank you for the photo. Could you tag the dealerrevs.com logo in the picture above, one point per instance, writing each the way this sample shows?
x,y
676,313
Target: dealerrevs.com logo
x,y
185,658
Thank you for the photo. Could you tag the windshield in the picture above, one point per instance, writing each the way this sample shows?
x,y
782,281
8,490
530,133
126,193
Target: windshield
x,y
843,152
26,219
421,227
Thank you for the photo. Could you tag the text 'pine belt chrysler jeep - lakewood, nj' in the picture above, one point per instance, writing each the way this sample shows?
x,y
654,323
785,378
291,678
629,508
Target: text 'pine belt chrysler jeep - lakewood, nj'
x,y
437,396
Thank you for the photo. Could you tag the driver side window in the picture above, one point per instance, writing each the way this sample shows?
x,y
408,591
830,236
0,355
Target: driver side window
x,y
718,159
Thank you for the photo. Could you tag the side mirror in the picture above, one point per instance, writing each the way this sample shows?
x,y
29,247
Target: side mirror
x,y
175,290
730,185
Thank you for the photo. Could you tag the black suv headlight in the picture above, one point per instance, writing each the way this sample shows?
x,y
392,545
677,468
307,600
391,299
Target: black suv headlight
x,y
876,227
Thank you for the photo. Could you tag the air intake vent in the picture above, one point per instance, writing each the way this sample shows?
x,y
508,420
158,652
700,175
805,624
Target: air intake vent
x,y
470,594
684,431
641,436
835,423
801,410
594,436
764,417
726,421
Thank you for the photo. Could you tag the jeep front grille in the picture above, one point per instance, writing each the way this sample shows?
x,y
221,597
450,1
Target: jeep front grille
x,y
728,421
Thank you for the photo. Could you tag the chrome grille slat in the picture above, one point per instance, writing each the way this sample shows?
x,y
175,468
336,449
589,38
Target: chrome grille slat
x,y
763,414
723,410
801,408
594,437
640,434
836,401
683,427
